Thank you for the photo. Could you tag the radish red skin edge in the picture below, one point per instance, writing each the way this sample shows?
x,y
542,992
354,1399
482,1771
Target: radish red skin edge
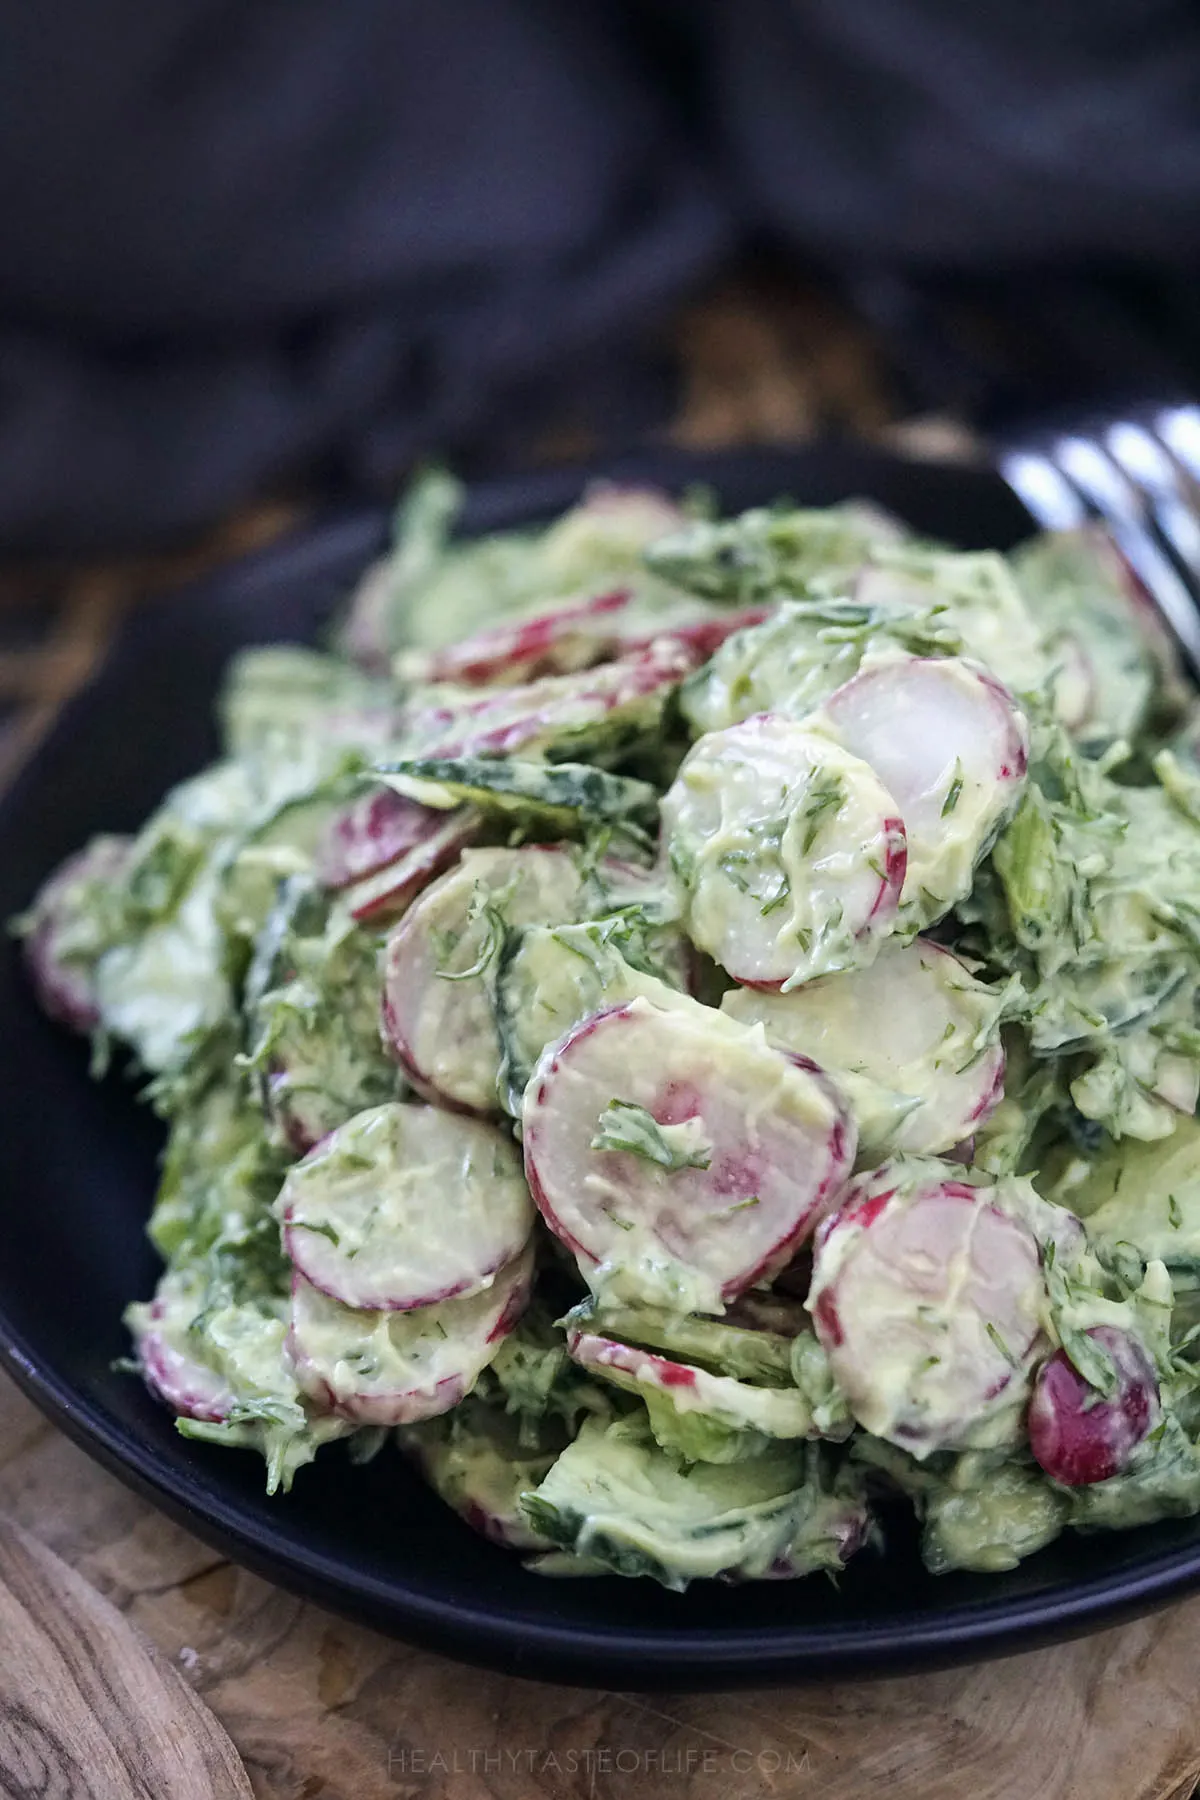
x,y
186,1386
793,1187
1076,1435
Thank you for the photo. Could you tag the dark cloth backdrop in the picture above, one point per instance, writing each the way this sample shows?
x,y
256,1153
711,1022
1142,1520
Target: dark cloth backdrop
x,y
241,239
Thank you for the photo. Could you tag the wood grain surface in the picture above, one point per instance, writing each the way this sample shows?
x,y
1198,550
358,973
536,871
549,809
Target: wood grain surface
x,y
87,1706
320,1710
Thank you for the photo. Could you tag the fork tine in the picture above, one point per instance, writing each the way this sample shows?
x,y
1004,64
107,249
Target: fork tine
x,y
1152,469
1108,491
1179,429
1043,489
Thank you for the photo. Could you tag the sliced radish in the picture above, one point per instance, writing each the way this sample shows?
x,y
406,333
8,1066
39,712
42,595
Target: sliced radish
x,y
736,1406
405,1206
735,1152
702,636
170,1365
61,977
952,747
916,1024
561,641
393,1368
391,891
836,1527
580,715
437,1011
789,852
1076,1434
370,833
927,1298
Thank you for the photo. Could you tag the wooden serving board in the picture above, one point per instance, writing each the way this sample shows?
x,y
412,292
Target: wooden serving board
x,y
320,1710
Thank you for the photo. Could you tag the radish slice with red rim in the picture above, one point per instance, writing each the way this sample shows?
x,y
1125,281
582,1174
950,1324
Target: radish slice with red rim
x,y
915,1027
580,715
370,833
393,1368
789,851
678,1155
560,641
927,1297
365,1215
392,889
168,1359
952,746
58,968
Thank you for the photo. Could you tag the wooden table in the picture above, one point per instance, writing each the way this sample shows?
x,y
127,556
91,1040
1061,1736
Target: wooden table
x,y
320,1710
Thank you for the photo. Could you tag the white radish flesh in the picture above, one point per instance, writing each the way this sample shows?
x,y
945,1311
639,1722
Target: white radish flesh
x,y
741,1151
393,1368
916,1023
405,1206
927,1299
789,852
952,747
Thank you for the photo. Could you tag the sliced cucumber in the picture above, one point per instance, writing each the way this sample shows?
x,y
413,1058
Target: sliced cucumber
x,y
478,1461
789,852
915,1027
1143,1194
615,1496
562,797
952,748
393,1368
677,1154
745,1354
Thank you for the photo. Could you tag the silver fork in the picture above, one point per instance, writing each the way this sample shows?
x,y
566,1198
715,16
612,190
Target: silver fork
x,y
1138,472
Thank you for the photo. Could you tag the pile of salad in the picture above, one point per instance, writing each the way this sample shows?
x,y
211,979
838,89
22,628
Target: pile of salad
x,y
691,1027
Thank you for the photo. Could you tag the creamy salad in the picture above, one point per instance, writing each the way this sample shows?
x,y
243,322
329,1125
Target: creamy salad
x,y
691,1027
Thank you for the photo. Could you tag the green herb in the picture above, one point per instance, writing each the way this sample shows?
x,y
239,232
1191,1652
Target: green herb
x,y
321,1230
1002,1347
630,1129
824,798
1173,1212
738,1206
954,791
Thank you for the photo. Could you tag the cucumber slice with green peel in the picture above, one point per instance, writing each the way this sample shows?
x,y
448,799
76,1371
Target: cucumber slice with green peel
x,y
789,851
952,747
442,956
477,1459
1142,1194
596,716
916,1032
394,1368
562,797
616,1497
365,1215
677,1155
552,976
928,1298
706,1417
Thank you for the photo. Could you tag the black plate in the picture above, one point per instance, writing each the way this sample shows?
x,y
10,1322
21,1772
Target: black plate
x,y
77,1170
